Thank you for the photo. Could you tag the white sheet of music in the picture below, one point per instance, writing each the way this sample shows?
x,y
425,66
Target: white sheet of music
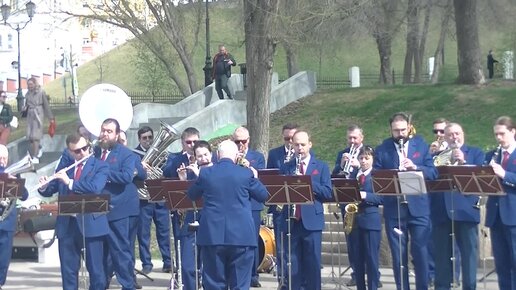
x,y
412,182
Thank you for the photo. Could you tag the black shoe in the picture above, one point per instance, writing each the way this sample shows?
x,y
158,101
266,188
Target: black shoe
x,y
146,269
380,285
256,284
230,97
166,270
351,283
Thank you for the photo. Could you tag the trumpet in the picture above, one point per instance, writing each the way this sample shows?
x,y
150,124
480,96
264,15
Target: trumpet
x,y
289,155
438,145
347,168
240,160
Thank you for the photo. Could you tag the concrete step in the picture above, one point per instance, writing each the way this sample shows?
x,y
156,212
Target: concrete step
x,y
329,247
334,236
333,259
240,95
335,226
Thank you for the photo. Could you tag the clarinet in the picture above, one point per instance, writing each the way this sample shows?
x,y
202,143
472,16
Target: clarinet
x,y
494,159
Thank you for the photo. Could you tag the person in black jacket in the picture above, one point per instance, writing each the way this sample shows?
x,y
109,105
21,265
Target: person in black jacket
x,y
490,63
6,116
221,71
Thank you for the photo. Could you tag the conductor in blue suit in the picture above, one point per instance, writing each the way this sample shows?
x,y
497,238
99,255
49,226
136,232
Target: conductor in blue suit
x,y
500,217
410,217
8,225
255,159
460,209
307,222
88,177
227,233
124,205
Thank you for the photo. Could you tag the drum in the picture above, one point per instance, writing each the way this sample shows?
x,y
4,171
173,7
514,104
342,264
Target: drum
x,y
266,250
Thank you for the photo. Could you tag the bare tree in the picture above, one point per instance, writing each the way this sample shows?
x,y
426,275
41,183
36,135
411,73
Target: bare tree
x,y
259,17
173,24
468,46
438,55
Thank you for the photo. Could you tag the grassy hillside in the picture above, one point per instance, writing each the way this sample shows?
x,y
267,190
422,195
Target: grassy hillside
x,y
330,58
326,115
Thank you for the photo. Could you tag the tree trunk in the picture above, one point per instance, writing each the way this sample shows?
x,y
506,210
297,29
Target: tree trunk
x,y
418,63
260,46
438,55
468,47
384,44
412,39
292,62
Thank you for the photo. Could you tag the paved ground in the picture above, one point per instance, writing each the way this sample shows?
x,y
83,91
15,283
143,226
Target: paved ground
x,y
34,276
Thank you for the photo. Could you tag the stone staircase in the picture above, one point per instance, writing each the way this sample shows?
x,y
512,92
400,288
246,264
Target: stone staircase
x,y
334,248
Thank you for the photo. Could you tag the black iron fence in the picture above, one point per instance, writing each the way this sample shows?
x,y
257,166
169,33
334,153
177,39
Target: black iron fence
x,y
166,97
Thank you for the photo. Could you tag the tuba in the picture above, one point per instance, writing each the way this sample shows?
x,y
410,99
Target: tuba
x,y
8,203
157,154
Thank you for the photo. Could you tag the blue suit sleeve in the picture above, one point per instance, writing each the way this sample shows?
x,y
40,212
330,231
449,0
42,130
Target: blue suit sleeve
x,y
127,168
94,183
52,188
257,190
373,199
141,172
270,160
195,191
321,184
337,168
167,169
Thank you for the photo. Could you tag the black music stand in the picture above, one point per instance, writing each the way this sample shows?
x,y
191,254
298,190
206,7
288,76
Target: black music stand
x,y
155,189
177,199
268,171
469,180
288,190
344,191
80,204
396,183
11,187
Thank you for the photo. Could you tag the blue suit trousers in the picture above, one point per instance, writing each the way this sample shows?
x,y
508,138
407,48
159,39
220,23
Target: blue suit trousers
x,y
119,250
466,235
6,246
188,257
70,248
419,230
257,221
503,240
227,267
160,214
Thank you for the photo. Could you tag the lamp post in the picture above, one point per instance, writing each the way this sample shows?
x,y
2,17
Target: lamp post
x,y
6,12
207,63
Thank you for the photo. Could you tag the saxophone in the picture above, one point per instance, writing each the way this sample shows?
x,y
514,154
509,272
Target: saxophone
x,y
351,210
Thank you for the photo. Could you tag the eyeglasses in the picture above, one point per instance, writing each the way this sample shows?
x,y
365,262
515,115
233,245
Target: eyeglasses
x,y
78,151
189,142
287,138
240,141
438,131
147,137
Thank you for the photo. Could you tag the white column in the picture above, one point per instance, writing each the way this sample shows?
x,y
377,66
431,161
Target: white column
x,y
508,65
354,76
431,63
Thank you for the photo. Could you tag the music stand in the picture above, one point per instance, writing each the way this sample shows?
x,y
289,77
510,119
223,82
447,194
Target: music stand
x,y
344,191
288,190
176,198
268,171
475,180
155,189
11,187
396,183
80,204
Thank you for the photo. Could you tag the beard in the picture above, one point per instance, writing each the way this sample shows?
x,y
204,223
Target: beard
x,y
107,144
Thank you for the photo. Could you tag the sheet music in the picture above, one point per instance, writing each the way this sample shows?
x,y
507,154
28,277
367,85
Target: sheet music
x,y
412,182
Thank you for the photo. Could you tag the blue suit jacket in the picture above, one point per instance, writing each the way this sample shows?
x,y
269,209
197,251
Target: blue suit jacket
x,y
504,206
65,160
276,157
386,157
92,181
463,205
226,216
9,223
124,196
256,160
368,216
312,216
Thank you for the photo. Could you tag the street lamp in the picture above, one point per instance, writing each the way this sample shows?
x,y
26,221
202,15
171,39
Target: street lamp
x,y
207,63
6,12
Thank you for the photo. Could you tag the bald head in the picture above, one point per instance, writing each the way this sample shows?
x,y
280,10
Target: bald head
x,y
4,155
227,149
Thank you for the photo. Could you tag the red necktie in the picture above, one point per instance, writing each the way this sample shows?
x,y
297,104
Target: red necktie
x,y
297,214
78,172
104,155
505,159
361,179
